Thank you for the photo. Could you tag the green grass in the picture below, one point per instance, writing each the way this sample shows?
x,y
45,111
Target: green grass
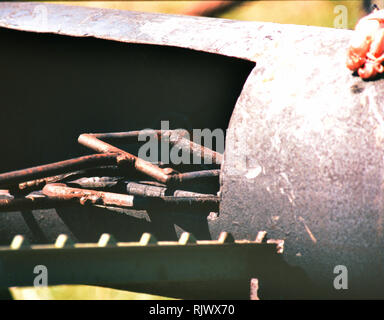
x,y
315,13
78,292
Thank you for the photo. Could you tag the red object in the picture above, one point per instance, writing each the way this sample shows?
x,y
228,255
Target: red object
x,y
366,53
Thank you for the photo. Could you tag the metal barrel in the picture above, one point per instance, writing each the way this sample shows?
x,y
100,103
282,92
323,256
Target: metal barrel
x,y
304,161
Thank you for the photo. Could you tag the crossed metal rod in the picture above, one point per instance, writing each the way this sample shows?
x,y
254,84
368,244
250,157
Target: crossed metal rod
x,y
50,177
110,155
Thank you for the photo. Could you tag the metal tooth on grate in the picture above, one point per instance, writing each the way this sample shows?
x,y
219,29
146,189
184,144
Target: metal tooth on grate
x,y
106,240
187,238
19,242
261,236
63,241
226,237
146,239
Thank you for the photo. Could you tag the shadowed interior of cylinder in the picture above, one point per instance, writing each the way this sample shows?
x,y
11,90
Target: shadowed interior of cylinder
x,y
54,88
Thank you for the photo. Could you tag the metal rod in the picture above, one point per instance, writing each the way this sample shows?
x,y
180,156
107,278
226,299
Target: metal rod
x,y
191,201
113,173
196,175
84,196
145,190
132,136
182,143
30,202
38,183
178,138
92,142
19,176
95,182
92,197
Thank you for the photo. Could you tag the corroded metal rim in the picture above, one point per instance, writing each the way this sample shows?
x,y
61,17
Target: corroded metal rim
x,y
226,37
239,39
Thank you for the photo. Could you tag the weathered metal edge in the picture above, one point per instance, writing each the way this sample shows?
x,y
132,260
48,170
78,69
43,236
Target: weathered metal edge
x,y
239,39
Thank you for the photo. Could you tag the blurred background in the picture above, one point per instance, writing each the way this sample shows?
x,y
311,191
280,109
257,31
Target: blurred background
x,y
324,13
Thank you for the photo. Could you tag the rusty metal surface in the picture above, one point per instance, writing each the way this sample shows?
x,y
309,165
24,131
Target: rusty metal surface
x,y
304,161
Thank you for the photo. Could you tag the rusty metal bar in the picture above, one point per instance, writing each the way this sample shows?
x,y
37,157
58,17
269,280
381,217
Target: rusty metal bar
x,y
60,191
177,138
196,175
141,165
131,136
35,200
140,189
182,143
19,176
38,183
96,182
204,203
113,173
83,178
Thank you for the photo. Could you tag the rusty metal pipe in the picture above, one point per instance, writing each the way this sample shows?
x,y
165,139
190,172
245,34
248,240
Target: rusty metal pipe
x,y
95,182
177,138
141,165
140,189
182,143
196,175
132,136
19,176
110,171
32,201
201,202
38,183
61,192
